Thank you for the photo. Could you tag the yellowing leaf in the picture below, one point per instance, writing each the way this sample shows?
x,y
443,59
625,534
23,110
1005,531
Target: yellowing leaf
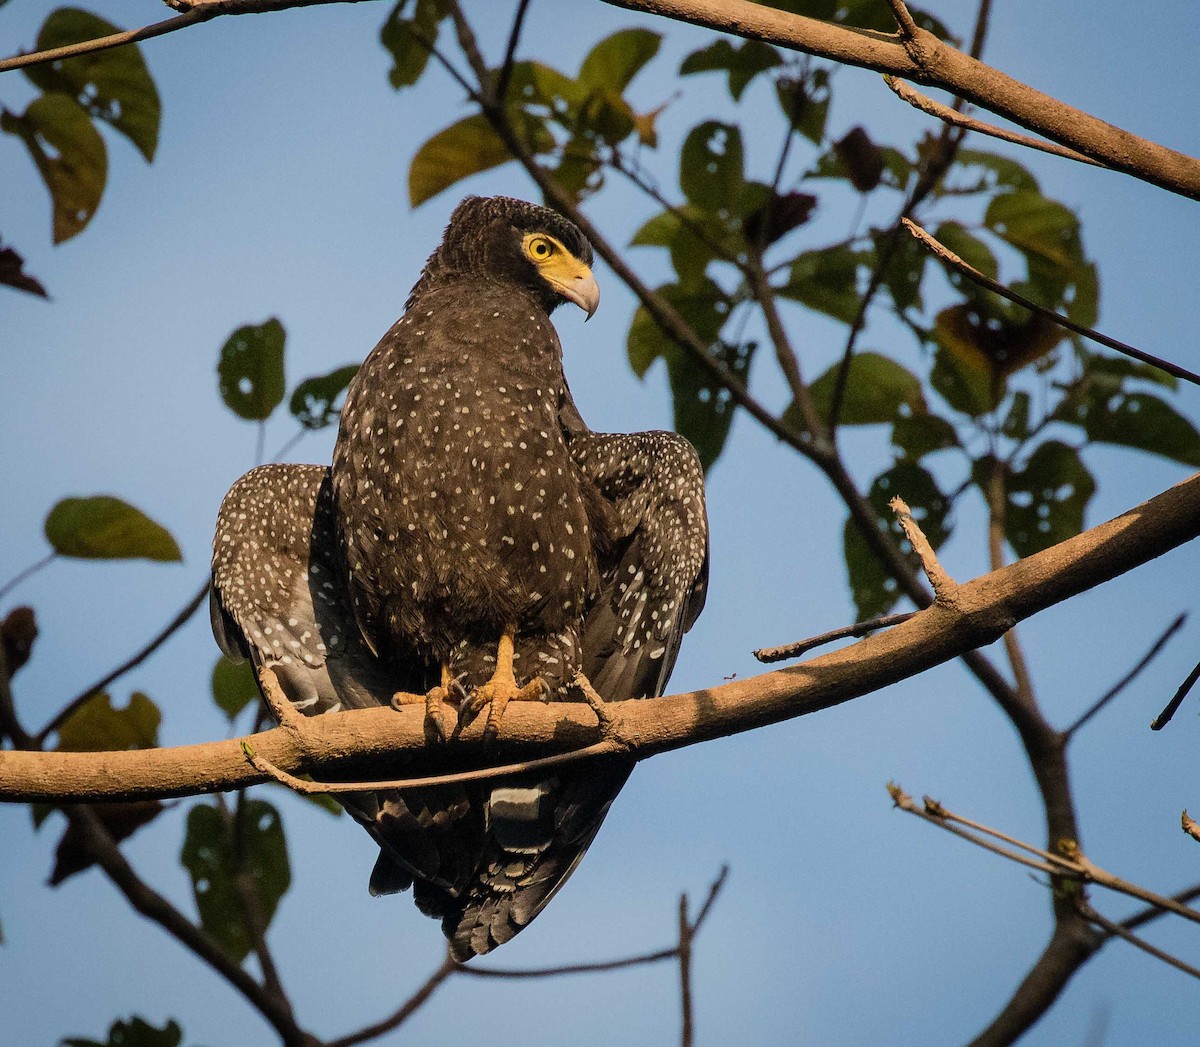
x,y
102,527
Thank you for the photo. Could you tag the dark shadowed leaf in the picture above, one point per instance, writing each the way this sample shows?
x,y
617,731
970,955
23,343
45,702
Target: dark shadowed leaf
x,y
874,590
1047,499
101,527
743,62
805,103
134,1033
408,39
1016,423
923,434
215,858
113,85
778,216
122,820
703,409
905,270
964,382
617,59
827,280
18,632
250,371
862,159
233,686
896,167
878,389
98,726
69,154
466,148
710,171
999,340
317,402
12,274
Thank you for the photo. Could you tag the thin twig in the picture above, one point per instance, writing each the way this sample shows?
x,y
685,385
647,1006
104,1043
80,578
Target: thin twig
x,y
1164,718
28,572
799,647
1117,931
413,1003
1190,826
510,51
904,20
132,662
685,973
952,116
944,587
1130,676
974,275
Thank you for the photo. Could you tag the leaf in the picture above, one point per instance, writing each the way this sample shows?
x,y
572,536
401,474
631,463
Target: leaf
x,y
99,726
698,305
710,171
878,389
827,280
862,159
805,102
250,370
12,273
1138,420
18,632
693,237
121,820
215,857
466,148
703,409
923,434
102,527
771,222
112,85
1036,226
896,167
873,588
1000,173
743,63
233,686
69,154
1047,499
1016,422
905,270
134,1033
317,402
617,59
409,40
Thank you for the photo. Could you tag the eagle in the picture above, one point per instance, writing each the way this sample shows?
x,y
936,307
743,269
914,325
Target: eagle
x,y
473,543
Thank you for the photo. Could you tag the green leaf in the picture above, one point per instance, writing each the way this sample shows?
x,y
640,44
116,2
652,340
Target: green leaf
x,y
606,116
113,85
317,402
69,154
704,308
874,590
121,820
409,40
743,63
693,237
999,173
466,148
1138,420
923,434
1047,499
896,167
878,389
1036,226
805,102
827,280
1016,422
233,686
710,171
250,371
905,270
101,527
617,59
134,1033
964,385
216,852
970,249
703,409
98,726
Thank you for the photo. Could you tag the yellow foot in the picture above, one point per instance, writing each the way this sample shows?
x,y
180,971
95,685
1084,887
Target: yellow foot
x,y
496,694
435,719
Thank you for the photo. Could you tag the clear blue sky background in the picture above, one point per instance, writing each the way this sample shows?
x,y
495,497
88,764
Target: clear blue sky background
x,y
280,189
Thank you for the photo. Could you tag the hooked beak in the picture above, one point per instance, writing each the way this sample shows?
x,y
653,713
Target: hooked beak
x,y
579,287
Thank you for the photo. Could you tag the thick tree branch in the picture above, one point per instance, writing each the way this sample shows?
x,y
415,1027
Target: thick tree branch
x,y
983,610
939,65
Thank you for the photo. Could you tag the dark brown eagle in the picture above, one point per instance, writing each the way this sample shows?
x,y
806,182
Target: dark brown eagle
x,y
473,542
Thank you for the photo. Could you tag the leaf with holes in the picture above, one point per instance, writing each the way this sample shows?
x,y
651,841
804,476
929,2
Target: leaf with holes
x,y
224,857
805,102
704,408
112,85
69,154
409,40
1047,499
923,434
694,237
233,686
1036,226
1134,419
101,527
702,305
134,1033
250,371
99,726
613,63
317,402
742,62
466,148
710,165
905,270
877,389
827,280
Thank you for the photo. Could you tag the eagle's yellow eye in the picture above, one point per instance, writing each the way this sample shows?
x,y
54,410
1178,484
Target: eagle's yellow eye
x,y
540,249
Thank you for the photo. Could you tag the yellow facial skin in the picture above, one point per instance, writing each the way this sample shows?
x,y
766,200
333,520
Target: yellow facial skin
x,y
562,271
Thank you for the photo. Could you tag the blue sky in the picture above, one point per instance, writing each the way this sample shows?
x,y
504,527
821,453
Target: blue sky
x,y
280,190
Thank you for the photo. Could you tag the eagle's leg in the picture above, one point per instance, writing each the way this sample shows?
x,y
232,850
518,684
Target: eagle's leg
x,y
501,689
450,690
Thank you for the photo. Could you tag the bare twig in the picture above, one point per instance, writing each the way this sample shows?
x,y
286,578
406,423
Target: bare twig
x,y
1129,677
510,51
799,647
134,660
1117,931
371,1032
952,116
975,276
1190,826
1164,718
945,588
28,572
685,973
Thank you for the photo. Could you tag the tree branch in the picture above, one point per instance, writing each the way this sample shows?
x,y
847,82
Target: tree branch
x,y
983,610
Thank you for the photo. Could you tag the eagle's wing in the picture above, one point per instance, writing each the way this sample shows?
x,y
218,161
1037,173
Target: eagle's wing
x,y
654,563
